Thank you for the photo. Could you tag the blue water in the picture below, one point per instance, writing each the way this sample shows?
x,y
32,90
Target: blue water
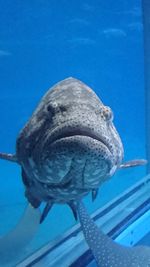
x,y
43,42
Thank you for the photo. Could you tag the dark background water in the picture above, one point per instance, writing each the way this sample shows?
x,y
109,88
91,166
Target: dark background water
x,y
42,42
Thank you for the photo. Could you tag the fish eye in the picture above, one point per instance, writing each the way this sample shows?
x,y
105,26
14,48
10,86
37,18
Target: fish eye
x,y
107,113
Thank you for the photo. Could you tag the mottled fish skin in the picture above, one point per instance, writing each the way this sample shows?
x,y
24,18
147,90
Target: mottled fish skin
x,y
69,146
108,253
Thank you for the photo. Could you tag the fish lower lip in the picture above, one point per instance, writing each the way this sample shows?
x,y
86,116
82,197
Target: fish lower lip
x,y
81,133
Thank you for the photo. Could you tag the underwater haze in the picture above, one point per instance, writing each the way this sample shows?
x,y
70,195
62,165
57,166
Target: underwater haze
x,y
43,42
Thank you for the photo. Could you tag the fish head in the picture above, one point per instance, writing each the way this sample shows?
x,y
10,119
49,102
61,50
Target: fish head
x,y
70,143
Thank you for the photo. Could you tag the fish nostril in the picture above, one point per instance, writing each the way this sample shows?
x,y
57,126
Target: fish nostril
x,y
50,109
63,108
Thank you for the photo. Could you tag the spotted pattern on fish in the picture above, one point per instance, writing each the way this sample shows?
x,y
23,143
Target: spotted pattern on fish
x,y
107,253
69,146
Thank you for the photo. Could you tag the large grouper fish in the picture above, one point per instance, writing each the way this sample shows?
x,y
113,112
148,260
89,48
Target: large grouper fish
x,y
67,149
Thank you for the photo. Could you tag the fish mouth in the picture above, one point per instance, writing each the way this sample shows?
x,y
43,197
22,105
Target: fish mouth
x,y
73,132
75,153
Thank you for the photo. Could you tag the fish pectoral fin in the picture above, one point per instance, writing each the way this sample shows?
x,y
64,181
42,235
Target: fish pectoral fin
x,y
9,157
133,163
46,211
